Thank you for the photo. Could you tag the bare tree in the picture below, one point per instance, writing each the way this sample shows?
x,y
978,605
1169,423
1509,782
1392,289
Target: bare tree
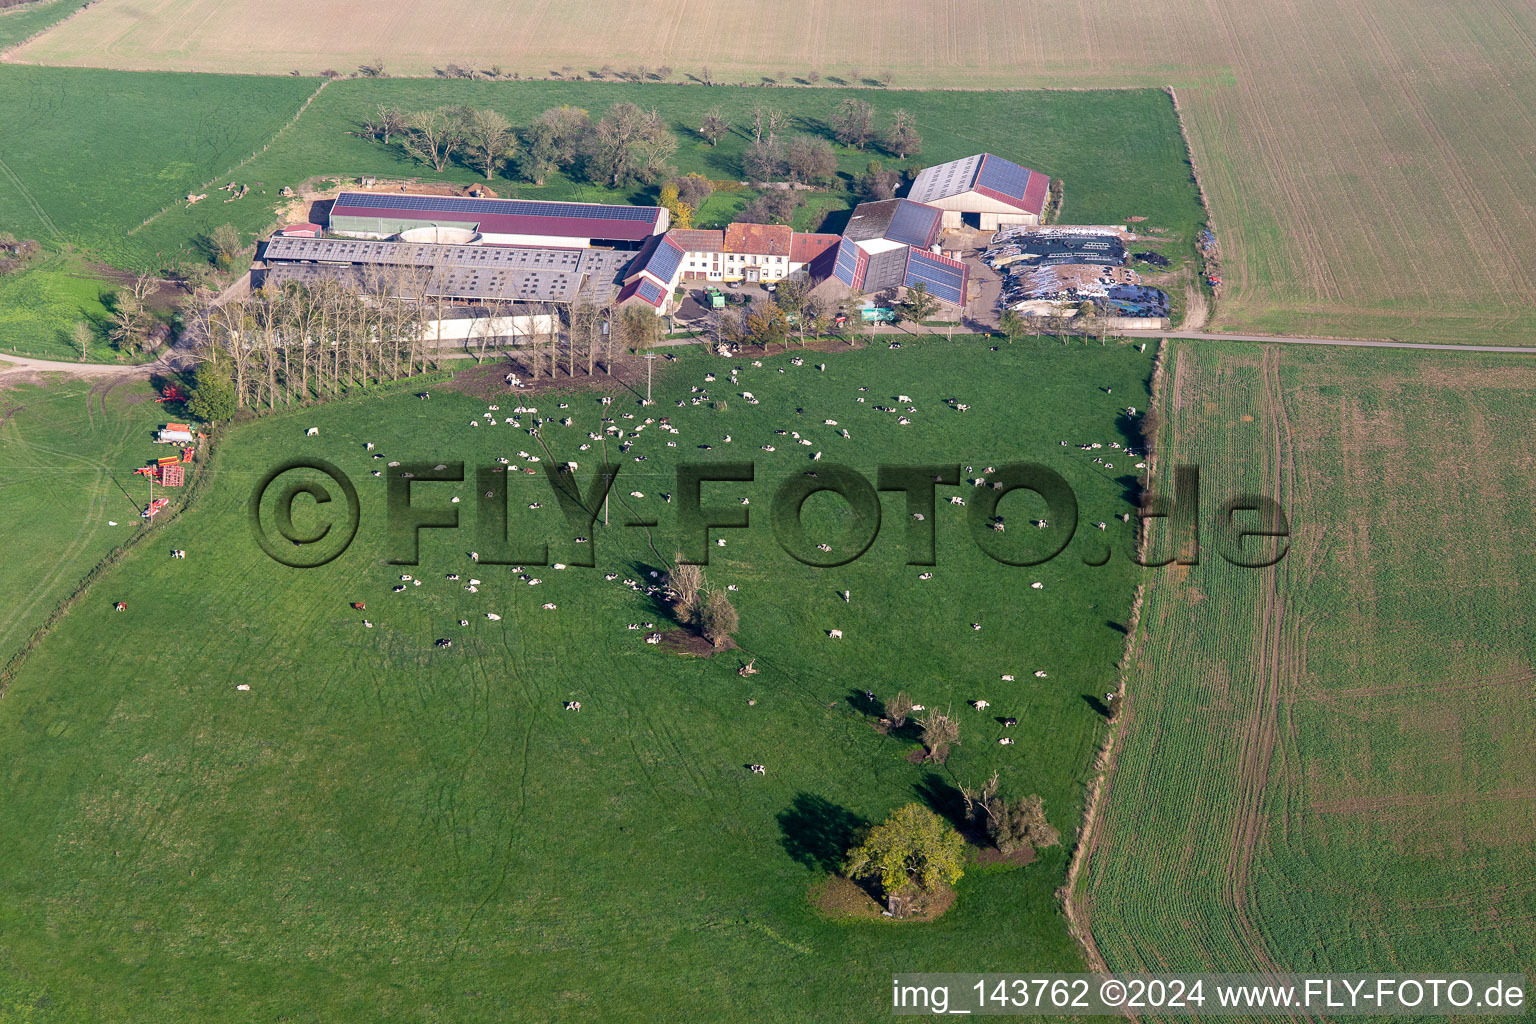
x,y
854,123
901,139
434,135
714,126
489,139
940,732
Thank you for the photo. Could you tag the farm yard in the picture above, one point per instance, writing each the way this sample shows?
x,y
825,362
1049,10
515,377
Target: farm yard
x,y
419,832
1329,764
1120,154
1331,141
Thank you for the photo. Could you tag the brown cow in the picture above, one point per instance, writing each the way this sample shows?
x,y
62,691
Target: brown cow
x,y
359,606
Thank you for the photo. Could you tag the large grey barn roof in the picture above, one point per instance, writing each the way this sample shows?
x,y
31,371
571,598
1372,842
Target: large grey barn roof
x,y
459,271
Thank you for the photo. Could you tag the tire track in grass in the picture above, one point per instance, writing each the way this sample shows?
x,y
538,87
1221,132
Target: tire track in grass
x,y
27,197
1261,732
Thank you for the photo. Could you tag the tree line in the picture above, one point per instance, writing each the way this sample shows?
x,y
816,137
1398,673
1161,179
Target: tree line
x,y
627,145
632,145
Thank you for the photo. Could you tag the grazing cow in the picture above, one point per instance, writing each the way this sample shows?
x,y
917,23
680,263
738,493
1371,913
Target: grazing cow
x,y
1006,741
758,769
1009,723
573,705
835,634
1008,679
243,686
918,707
980,705
1037,586
423,395
1040,673
445,643
654,638
120,606
312,431
359,606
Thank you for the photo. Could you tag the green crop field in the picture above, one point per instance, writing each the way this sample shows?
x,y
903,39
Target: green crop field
x,y
382,829
1328,766
69,448
156,137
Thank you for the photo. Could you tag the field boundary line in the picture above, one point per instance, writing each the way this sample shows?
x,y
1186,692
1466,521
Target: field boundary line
x,y
235,169
18,660
1073,893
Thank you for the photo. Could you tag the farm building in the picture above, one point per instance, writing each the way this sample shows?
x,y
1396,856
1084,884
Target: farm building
x,y
982,191
764,253
465,274
466,220
887,245
653,274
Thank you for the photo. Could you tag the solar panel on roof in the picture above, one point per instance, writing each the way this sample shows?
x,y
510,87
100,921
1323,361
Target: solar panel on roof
x,y
494,207
1003,176
847,266
650,291
665,260
912,224
943,278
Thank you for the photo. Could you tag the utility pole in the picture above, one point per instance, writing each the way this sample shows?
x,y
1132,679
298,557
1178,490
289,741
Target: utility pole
x,y
650,363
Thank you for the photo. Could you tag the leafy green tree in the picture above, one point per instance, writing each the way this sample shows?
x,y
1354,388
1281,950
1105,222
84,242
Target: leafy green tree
x,y
1012,324
553,142
918,305
912,852
212,394
224,244
792,293
767,324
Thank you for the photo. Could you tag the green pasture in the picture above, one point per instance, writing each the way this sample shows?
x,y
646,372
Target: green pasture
x,y
379,828
68,453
